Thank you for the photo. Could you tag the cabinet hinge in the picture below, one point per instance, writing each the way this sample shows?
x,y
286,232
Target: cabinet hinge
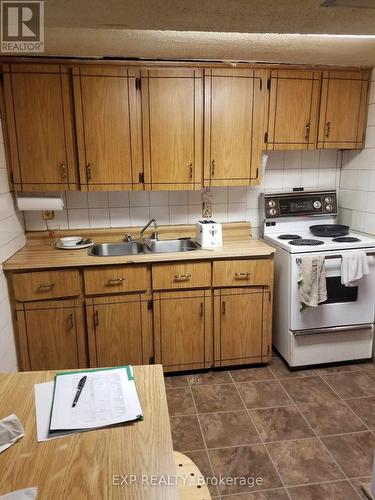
x,y
265,137
150,305
260,83
11,177
141,177
1,79
268,83
268,349
138,84
257,174
151,360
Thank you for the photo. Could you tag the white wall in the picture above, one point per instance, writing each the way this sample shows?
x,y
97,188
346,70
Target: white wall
x,y
285,170
11,240
357,184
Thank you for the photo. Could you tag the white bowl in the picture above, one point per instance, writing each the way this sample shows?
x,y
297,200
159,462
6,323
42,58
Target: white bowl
x,y
70,241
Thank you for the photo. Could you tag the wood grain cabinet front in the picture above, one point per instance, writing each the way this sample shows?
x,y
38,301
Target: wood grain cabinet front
x,y
52,335
183,329
181,275
38,114
242,272
120,330
44,285
105,280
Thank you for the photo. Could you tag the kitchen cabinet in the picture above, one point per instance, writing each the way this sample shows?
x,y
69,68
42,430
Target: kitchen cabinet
x,y
119,330
293,110
235,123
183,329
172,112
242,335
39,127
343,108
51,335
108,124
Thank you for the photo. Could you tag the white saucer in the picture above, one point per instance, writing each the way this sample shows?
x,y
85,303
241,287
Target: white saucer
x,y
75,247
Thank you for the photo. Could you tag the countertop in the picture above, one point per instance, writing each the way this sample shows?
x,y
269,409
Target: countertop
x,y
82,465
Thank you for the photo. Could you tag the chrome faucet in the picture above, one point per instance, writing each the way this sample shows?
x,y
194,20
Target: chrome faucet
x,y
154,235
128,237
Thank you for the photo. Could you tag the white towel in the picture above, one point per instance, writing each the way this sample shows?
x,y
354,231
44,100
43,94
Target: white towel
x,y
25,494
354,266
11,431
312,284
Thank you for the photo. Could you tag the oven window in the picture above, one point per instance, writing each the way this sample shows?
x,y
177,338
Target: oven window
x,y
336,292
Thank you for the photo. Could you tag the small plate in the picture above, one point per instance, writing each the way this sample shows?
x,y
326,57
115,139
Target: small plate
x,y
76,247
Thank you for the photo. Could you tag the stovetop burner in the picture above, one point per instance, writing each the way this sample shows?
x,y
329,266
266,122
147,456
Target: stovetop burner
x,y
346,239
306,242
289,237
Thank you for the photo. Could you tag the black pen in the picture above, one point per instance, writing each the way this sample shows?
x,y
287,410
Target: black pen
x,y
81,384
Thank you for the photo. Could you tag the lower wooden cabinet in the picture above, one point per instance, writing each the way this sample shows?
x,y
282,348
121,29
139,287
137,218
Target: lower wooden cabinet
x,y
242,325
51,335
183,329
119,330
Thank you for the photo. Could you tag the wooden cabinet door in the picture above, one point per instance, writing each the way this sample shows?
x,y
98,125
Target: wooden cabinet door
x,y
239,325
294,107
172,107
119,330
343,109
108,117
51,335
39,126
236,102
183,334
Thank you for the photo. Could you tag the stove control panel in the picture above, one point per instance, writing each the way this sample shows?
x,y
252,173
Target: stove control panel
x,y
300,203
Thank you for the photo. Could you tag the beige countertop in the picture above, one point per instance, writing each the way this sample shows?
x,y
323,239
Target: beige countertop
x,y
40,254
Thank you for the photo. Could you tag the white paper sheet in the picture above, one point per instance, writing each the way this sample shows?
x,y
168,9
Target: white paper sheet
x,y
108,397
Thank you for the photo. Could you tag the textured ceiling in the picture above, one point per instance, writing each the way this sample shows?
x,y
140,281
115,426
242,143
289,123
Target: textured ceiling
x,y
212,29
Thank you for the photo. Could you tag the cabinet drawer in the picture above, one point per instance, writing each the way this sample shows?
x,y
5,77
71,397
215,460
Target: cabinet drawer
x,y
243,272
181,275
46,285
116,279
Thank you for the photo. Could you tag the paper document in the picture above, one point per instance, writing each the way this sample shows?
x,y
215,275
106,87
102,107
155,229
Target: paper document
x,y
109,396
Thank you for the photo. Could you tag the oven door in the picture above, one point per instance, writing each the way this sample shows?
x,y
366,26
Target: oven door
x,y
344,305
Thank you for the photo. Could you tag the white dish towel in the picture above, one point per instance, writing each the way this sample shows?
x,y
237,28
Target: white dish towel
x,y
312,285
11,431
354,265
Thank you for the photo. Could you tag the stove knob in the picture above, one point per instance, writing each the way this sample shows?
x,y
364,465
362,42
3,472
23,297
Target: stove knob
x,y
317,204
329,208
328,199
271,203
272,211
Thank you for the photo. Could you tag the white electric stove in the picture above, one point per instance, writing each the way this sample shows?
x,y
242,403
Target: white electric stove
x,y
341,328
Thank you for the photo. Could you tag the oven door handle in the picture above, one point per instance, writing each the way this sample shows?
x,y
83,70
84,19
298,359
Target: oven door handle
x,y
331,329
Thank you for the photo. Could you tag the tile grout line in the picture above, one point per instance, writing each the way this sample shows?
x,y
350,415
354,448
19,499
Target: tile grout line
x,y
203,438
261,440
321,442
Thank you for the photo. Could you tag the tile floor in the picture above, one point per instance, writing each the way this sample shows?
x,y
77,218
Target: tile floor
x,y
307,434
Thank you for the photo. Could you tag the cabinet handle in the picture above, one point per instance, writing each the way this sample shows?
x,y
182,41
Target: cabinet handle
x,y
182,276
115,281
328,129
307,134
44,286
223,307
242,276
202,309
191,171
212,168
88,172
71,321
64,173
96,318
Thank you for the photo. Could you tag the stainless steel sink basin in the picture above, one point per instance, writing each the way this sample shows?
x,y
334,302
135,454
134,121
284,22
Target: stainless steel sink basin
x,y
116,249
168,246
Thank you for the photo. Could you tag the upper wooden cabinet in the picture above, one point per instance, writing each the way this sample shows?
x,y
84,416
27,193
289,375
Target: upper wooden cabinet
x,y
294,107
108,121
342,117
38,109
236,102
172,110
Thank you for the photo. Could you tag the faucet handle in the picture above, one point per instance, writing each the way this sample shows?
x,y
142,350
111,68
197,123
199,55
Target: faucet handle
x,y
128,237
154,236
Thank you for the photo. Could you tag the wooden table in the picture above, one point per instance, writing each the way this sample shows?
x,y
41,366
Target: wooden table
x,y
85,465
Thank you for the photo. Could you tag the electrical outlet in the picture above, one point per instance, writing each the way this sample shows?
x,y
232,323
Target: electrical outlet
x,y
48,214
206,210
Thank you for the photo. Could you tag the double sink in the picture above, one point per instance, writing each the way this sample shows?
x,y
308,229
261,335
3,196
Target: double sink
x,y
137,247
